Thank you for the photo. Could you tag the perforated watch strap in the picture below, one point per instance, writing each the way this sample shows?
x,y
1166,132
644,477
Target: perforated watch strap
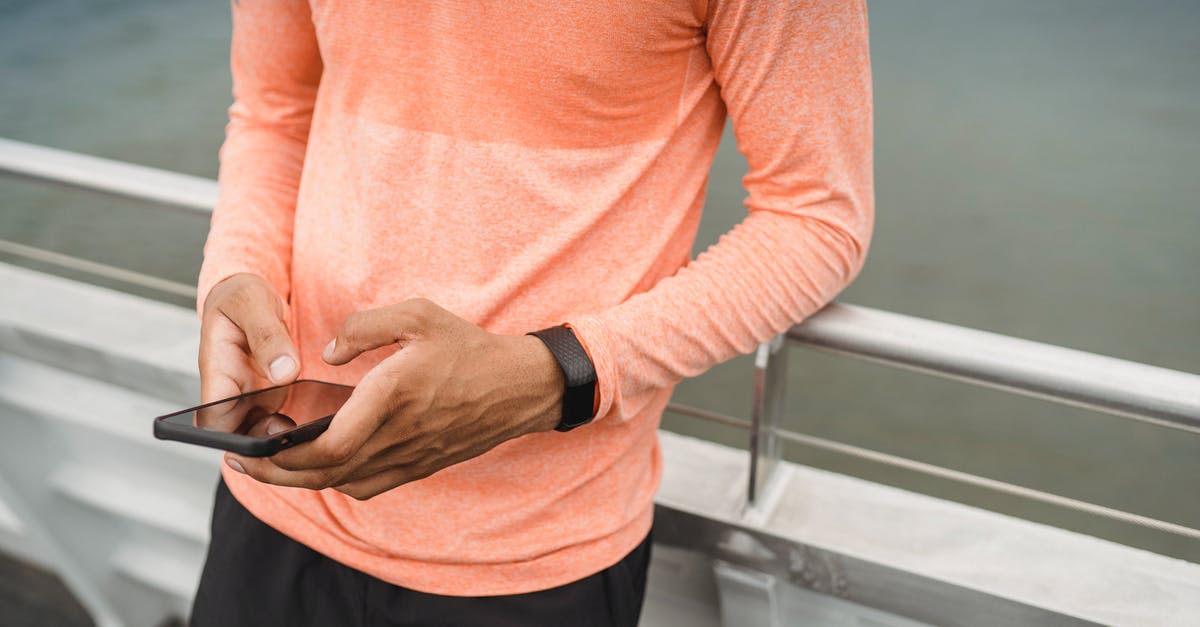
x,y
579,374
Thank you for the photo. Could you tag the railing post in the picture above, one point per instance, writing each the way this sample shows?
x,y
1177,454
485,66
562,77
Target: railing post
x,y
770,392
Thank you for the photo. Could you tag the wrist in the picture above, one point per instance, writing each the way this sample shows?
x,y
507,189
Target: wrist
x,y
579,375
538,383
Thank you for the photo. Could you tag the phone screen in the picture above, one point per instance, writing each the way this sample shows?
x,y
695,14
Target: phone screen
x,y
260,422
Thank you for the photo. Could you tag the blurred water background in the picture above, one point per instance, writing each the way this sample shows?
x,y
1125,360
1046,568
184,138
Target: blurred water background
x,y
1037,176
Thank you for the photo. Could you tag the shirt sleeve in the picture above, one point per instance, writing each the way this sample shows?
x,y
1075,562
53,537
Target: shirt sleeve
x,y
276,68
795,78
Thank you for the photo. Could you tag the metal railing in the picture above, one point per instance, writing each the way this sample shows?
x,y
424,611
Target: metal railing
x,y
1141,392
114,178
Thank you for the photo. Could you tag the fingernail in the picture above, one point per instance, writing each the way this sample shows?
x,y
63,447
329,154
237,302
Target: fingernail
x,y
233,463
274,427
282,367
327,354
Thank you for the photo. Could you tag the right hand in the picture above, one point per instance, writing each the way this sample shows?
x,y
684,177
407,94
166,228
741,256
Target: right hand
x,y
244,342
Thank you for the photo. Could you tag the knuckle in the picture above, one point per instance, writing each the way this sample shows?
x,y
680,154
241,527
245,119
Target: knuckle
x,y
259,335
244,302
421,307
236,297
211,310
339,451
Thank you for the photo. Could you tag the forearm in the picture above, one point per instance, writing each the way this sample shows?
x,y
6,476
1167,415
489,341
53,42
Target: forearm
x,y
276,66
252,223
768,273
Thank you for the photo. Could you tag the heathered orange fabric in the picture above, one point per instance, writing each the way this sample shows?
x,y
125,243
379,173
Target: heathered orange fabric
x,y
526,164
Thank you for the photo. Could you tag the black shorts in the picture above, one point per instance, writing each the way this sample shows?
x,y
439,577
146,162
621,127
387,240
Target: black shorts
x,y
256,576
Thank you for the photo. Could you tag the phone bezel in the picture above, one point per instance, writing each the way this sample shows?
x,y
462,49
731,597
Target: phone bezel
x,y
247,445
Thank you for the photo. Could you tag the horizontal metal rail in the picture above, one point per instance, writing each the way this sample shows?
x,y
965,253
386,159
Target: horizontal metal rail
x,y
1147,393
904,463
115,178
97,269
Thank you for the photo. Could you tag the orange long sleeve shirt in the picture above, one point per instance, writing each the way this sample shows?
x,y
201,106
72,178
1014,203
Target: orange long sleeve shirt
x,y
525,164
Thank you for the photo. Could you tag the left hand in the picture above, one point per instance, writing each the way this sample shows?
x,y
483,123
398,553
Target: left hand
x,y
451,393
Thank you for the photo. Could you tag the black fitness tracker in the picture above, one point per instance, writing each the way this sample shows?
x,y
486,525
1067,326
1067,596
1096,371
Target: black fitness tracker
x,y
579,391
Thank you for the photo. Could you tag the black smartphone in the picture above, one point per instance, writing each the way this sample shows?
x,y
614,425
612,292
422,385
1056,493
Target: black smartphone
x,y
259,423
